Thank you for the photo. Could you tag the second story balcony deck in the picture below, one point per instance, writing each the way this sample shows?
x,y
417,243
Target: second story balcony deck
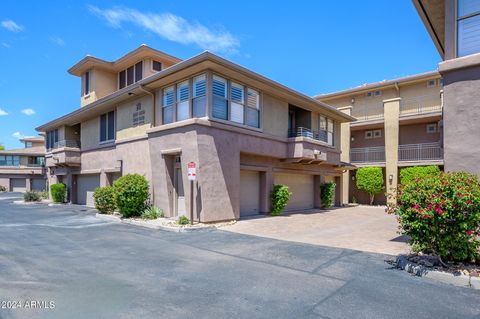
x,y
64,153
420,105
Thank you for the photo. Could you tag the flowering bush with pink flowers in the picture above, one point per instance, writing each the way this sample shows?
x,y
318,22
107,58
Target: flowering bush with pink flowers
x,y
441,214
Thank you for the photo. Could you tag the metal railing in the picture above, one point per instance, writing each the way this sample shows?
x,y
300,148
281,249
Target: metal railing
x,y
420,152
66,143
421,104
367,154
370,111
321,135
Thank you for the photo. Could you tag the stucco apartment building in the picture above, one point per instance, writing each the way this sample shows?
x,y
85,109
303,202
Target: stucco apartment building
x,y
23,169
454,26
399,124
151,113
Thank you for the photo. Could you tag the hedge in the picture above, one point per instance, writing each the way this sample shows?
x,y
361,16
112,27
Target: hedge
x,y
280,197
104,198
410,174
59,193
327,193
132,193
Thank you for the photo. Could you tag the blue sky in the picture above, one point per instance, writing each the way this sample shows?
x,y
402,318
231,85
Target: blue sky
x,y
312,46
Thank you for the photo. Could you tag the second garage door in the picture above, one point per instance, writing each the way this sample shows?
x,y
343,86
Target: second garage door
x,y
18,184
86,185
301,187
249,193
39,184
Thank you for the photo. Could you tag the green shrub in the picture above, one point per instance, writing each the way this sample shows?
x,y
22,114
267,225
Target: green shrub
x,y
59,193
370,180
280,197
44,195
410,174
3,188
441,214
152,212
183,220
32,197
132,192
104,198
327,193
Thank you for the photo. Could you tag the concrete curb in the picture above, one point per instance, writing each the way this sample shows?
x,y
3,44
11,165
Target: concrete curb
x,y
419,270
117,219
22,202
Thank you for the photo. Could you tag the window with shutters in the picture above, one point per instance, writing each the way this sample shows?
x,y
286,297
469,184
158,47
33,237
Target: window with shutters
x,y
468,27
130,75
199,101
167,105
237,92
220,102
253,108
138,115
107,127
183,101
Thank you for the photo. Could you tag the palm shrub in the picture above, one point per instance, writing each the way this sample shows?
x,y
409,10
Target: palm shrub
x,y
327,192
59,192
410,174
104,198
132,192
370,180
280,197
441,215
152,212
183,220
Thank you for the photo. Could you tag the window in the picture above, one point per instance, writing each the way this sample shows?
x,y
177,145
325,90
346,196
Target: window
x,y
52,139
86,83
199,93
432,128
138,115
431,83
130,75
468,27
253,108
28,144
373,134
378,93
326,130
373,93
369,94
10,160
156,66
368,134
107,127
183,101
237,102
167,105
220,103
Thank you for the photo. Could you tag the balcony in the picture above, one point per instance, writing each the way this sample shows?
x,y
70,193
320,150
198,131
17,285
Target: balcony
x,y
367,112
65,144
367,155
420,152
421,105
64,153
321,135
312,147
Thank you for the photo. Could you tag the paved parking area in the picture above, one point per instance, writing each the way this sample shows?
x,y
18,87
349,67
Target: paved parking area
x,y
361,228
96,269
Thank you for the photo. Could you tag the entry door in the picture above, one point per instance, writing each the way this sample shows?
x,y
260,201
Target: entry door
x,y
180,207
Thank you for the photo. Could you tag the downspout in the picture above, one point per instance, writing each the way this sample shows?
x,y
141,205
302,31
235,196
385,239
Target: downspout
x,y
142,87
398,89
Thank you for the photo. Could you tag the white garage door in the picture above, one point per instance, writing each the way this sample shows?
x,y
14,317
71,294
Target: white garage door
x,y
18,184
249,193
301,187
86,185
38,184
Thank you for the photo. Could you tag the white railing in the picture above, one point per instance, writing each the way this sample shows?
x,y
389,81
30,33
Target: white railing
x,y
421,104
420,152
367,154
371,111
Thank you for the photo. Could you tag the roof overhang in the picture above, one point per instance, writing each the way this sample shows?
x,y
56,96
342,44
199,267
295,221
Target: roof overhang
x,y
202,62
432,13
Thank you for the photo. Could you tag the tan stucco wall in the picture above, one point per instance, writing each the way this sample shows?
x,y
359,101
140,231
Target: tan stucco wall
x,y
90,136
359,139
417,133
104,83
275,116
392,115
124,119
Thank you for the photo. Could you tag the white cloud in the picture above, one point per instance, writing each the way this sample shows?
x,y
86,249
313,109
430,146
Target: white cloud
x,y
10,25
171,27
18,135
28,111
57,40
3,113
6,45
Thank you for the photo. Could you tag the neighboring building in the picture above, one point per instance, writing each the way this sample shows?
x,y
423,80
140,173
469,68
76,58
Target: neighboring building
x,y
24,169
399,124
151,113
455,29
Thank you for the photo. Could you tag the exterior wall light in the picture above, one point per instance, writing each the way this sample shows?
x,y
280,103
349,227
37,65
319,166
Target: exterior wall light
x,y
390,179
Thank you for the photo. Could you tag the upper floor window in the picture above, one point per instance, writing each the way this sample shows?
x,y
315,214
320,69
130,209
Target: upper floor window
x,y
86,83
167,105
107,127
468,27
28,144
220,102
199,92
183,101
156,66
130,75
9,160
326,131
51,139
138,115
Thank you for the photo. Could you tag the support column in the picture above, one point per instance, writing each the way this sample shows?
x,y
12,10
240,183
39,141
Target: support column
x,y
28,184
317,201
339,201
266,187
103,179
70,189
391,109
344,182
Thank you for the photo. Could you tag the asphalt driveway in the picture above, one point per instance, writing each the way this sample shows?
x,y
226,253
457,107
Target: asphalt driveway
x,y
96,269
364,228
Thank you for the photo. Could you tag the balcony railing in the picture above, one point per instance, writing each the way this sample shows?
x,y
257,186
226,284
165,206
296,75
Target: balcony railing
x,y
371,111
66,143
421,104
420,152
367,154
321,135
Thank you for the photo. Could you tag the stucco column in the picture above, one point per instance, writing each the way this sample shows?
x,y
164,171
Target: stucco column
x,y
103,179
28,184
391,110
317,202
345,138
266,187
69,183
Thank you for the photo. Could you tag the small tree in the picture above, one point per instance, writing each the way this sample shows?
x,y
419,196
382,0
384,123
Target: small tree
x,y
370,180
280,197
132,192
59,192
410,174
105,199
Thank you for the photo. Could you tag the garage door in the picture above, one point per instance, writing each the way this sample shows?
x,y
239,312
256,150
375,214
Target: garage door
x,y
86,185
301,187
38,184
18,184
249,193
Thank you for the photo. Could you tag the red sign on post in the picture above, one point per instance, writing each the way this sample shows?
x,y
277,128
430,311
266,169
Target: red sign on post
x,y
192,171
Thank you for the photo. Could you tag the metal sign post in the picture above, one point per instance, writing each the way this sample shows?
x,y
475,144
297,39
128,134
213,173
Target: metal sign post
x,y
192,176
